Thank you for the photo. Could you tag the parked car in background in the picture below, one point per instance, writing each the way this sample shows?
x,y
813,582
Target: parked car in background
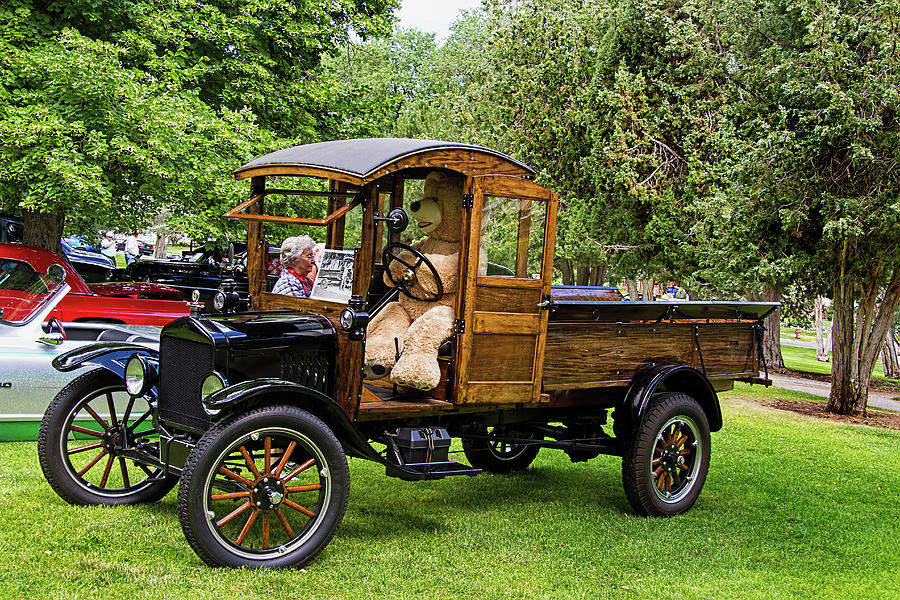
x,y
30,337
123,302
90,264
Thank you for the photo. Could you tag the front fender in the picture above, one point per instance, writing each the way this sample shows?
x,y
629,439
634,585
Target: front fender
x,y
278,391
672,378
111,356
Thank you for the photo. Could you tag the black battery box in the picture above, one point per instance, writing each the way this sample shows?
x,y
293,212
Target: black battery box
x,y
422,444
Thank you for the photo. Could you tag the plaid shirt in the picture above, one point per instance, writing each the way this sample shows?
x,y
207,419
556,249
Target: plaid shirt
x,y
290,284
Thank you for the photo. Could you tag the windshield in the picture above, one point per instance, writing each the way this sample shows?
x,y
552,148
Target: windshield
x,y
24,291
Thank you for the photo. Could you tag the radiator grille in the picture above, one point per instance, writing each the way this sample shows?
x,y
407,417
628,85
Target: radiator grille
x,y
183,363
307,368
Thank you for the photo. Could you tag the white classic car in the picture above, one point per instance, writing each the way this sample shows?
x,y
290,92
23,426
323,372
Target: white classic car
x,y
30,339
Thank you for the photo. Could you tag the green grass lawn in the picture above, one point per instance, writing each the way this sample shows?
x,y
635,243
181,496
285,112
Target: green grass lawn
x,y
792,508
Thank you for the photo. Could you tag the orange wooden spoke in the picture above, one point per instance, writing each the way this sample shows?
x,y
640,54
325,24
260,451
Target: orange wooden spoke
x,y
299,508
268,459
86,431
250,464
661,482
124,468
668,482
686,451
227,518
265,531
97,417
284,522
247,525
230,495
299,470
656,460
658,471
303,488
284,458
106,471
677,478
681,440
235,476
685,467
93,462
84,448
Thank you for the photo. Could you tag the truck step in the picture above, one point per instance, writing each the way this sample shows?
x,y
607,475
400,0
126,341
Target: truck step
x,y
429,470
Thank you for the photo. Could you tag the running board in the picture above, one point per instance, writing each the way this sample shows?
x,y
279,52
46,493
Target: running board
x,y
428,470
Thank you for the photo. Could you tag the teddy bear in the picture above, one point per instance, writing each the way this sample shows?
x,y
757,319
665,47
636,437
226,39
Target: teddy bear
x,y
420,327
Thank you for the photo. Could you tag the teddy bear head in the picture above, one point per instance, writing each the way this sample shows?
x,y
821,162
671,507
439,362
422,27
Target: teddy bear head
x,y
439,212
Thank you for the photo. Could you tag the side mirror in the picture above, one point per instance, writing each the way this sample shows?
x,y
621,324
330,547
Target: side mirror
x,y
54,334
396,220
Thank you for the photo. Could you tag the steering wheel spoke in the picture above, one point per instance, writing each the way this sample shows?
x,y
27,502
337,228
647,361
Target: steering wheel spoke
x,y
407,282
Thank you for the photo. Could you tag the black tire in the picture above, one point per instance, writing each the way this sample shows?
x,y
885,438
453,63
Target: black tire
x,y
665,464
81,438
495,456
223,490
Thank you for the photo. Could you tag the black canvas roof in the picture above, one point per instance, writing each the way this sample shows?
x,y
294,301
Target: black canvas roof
x,y
361,157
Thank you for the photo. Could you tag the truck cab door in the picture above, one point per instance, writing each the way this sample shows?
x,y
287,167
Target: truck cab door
x,y
509,242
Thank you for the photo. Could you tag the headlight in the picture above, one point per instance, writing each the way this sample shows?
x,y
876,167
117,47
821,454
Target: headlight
x,y
347,316
139,375
212,383
219,301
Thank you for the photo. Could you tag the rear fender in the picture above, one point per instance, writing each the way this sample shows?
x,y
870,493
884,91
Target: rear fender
x,y
276,391
671,378
111,356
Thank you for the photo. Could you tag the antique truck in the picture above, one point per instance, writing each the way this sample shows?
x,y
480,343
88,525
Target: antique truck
x,y
254,413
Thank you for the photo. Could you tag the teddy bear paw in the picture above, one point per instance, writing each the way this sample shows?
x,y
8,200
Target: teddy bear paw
x,y
413,374
375,371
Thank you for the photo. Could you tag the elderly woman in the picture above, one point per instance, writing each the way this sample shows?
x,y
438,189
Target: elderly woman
x,y
297,258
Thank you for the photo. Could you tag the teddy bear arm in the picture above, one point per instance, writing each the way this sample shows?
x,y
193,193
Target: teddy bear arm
x,y
446,266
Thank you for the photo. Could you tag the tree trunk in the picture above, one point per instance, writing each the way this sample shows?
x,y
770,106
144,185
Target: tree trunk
x,y
859,338
889,356
44,230
649,289
772,335
162,244
821,350
631,286
566,270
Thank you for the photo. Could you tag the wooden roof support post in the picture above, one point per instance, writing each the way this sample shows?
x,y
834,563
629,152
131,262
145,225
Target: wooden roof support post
x,y
257,252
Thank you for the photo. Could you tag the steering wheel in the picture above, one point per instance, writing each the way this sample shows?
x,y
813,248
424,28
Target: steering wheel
x,y
408,279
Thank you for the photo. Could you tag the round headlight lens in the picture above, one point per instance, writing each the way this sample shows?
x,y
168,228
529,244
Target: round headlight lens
x,y
347,316
212,383
219,301
135,376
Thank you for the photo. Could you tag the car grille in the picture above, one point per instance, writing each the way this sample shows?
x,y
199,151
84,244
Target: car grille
x,y
183,364
307,368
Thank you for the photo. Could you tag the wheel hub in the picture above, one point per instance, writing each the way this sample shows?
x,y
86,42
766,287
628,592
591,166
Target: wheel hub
x,y
268,493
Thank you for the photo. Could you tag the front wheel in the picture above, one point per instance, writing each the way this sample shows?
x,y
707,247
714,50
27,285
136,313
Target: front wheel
x,y
265,489
91,441
665,464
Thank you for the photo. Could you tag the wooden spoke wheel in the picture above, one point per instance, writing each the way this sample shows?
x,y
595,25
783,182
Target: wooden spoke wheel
x,y
497,456
665,464
91,442
265,489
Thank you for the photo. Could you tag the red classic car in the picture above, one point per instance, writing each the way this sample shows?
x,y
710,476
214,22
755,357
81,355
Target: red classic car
x,y
134,303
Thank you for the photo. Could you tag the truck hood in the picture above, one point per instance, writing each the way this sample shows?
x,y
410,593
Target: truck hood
x,y
136,289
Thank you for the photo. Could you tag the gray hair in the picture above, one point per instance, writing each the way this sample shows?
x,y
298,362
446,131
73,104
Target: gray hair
x,y
293,247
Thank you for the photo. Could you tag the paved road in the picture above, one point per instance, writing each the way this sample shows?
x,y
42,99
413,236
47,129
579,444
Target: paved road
x,y
823,388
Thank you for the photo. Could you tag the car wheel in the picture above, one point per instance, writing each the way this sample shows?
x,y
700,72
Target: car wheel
x,y
665,464
264,489
90,441
496,456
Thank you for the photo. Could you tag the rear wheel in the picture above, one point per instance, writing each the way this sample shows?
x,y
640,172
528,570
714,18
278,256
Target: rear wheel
x,y
90,443
496,456
665,464
264,489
